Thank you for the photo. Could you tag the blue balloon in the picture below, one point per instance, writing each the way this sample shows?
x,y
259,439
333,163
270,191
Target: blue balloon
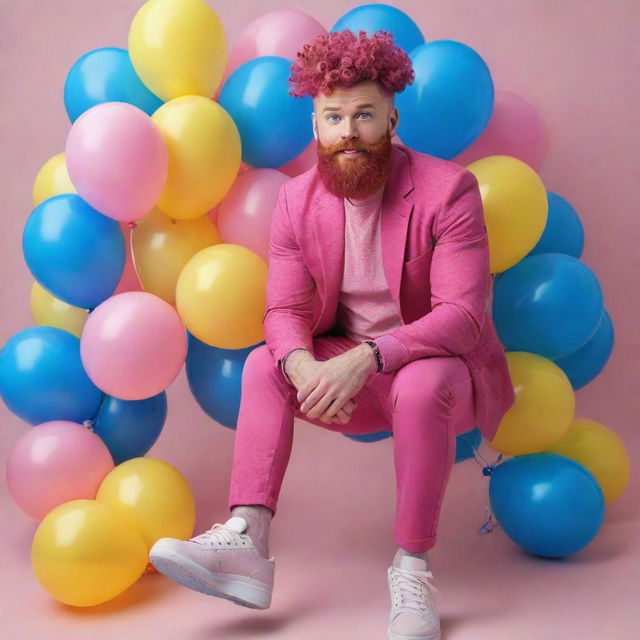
x,y
450,101
375,436
129,428
548,504
105,75
73,251
467,444
583,365
42,377
563,232
274,126
382,17
215,379
550,304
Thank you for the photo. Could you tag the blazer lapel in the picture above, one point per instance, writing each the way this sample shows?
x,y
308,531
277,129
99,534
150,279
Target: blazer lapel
x,y
329,224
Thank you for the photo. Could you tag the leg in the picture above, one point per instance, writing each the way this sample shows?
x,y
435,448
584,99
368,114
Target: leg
x,y
430,402
264,433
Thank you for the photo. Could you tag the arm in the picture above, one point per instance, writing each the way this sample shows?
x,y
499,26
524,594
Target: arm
x,y
290,289
460,284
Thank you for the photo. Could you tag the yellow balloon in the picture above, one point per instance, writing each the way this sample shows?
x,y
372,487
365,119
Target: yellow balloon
x,y
154,494
178,48
52,180
601,451
162,246
49,311
221,296
515,207
544,406
84,553
204,155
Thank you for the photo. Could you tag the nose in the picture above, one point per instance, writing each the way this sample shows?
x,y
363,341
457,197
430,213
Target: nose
x,y
349,131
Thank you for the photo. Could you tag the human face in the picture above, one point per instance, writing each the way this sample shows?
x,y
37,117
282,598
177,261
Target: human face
x,y
361,118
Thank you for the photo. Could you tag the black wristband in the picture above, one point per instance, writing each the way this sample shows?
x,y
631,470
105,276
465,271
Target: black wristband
x,y
377,354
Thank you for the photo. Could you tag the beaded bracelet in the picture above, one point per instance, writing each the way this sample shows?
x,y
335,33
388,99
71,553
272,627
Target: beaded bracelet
x,y
376,351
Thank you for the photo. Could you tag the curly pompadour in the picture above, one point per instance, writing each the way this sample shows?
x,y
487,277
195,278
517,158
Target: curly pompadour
x,y
343,58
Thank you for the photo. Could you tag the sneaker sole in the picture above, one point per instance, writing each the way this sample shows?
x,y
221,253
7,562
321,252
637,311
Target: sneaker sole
x,y
393,636
238,589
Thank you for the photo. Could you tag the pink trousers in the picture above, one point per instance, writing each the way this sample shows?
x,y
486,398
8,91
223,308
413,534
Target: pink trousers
x,y
425,405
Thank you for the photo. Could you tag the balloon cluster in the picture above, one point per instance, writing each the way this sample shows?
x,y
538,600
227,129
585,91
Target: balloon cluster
x,y
148,246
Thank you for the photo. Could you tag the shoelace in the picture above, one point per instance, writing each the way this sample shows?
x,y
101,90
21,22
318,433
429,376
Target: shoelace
x,y
217,533
408,586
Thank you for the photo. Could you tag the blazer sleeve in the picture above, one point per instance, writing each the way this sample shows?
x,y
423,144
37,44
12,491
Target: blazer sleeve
x,y
460,283
287,321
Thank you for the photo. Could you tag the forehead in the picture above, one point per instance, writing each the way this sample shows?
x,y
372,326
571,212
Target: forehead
x,y
352,97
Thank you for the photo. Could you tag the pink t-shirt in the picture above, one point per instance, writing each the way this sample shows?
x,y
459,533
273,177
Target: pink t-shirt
x,y
365,307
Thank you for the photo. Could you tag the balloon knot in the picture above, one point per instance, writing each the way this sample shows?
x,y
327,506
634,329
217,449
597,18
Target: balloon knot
x,y
132,224
88,424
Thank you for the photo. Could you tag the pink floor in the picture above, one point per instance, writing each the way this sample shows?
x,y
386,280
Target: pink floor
x,y
332,558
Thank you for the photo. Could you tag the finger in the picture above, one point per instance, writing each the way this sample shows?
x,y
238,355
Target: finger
x,y
332,409
310,401
342,417
321,407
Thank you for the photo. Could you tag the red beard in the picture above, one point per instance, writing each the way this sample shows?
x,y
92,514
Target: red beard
x,y
359,177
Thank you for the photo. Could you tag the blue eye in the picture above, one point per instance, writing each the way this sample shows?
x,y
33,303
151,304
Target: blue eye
x,y
334,115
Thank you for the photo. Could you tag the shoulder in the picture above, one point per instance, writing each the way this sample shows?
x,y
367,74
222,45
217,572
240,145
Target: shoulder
x,y
432,172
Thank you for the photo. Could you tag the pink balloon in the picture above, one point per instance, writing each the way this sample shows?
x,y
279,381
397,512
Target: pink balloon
x,y
55,462
129,280
244,215
276,33
117,160
515,129
133,345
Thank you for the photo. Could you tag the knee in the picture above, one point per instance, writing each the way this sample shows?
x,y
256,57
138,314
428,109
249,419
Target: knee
x,y
423,382
259,362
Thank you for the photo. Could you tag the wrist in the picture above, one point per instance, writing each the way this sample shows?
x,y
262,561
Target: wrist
x,y
369,357
298,356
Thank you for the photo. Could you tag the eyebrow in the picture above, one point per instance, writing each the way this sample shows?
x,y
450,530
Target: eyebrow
x,y
367,105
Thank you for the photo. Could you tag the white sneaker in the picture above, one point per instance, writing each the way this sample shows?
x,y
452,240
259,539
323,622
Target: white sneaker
x,y
222,562
413,614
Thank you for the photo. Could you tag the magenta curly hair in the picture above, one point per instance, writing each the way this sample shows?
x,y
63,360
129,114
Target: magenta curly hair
x,y
343,58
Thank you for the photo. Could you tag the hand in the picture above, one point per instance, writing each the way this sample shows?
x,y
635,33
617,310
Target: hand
x,y
301,366
335,381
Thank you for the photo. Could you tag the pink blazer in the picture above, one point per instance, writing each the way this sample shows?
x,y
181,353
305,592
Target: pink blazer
x,y
435,256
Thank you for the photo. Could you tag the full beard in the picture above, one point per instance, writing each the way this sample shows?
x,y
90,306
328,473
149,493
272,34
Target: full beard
x,y
355,177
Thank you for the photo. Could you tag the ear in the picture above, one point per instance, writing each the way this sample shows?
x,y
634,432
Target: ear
x,y
314,124
394,119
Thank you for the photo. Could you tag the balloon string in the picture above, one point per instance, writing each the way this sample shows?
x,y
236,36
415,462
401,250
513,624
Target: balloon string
x,y
490,523
132,224
91,421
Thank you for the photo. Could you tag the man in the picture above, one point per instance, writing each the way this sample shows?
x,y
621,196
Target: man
x,y
377,300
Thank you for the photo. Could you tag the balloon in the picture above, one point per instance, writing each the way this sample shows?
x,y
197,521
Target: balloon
x,y
514,129
450,101
547,504
244,216
163,246
601,451
105,75
375,17
42,378
467,444
583,365
52,180
178,48
47,310
515,208
129,280
563,232
550,304
215,379
256,95
73,251
154,494
275,33
204,155
375,436
130,428
117,160
85,553
221,296
53,463
543,409
133,345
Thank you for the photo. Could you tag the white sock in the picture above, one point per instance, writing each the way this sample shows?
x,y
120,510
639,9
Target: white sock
x,y
403,552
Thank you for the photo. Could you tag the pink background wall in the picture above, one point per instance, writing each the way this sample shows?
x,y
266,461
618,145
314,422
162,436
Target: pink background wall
x,y
577,62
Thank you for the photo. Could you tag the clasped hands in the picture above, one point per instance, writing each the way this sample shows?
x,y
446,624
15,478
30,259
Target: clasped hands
x,y
326,388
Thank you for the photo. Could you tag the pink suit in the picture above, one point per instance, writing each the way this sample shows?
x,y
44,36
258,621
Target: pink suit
x,y
444,367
